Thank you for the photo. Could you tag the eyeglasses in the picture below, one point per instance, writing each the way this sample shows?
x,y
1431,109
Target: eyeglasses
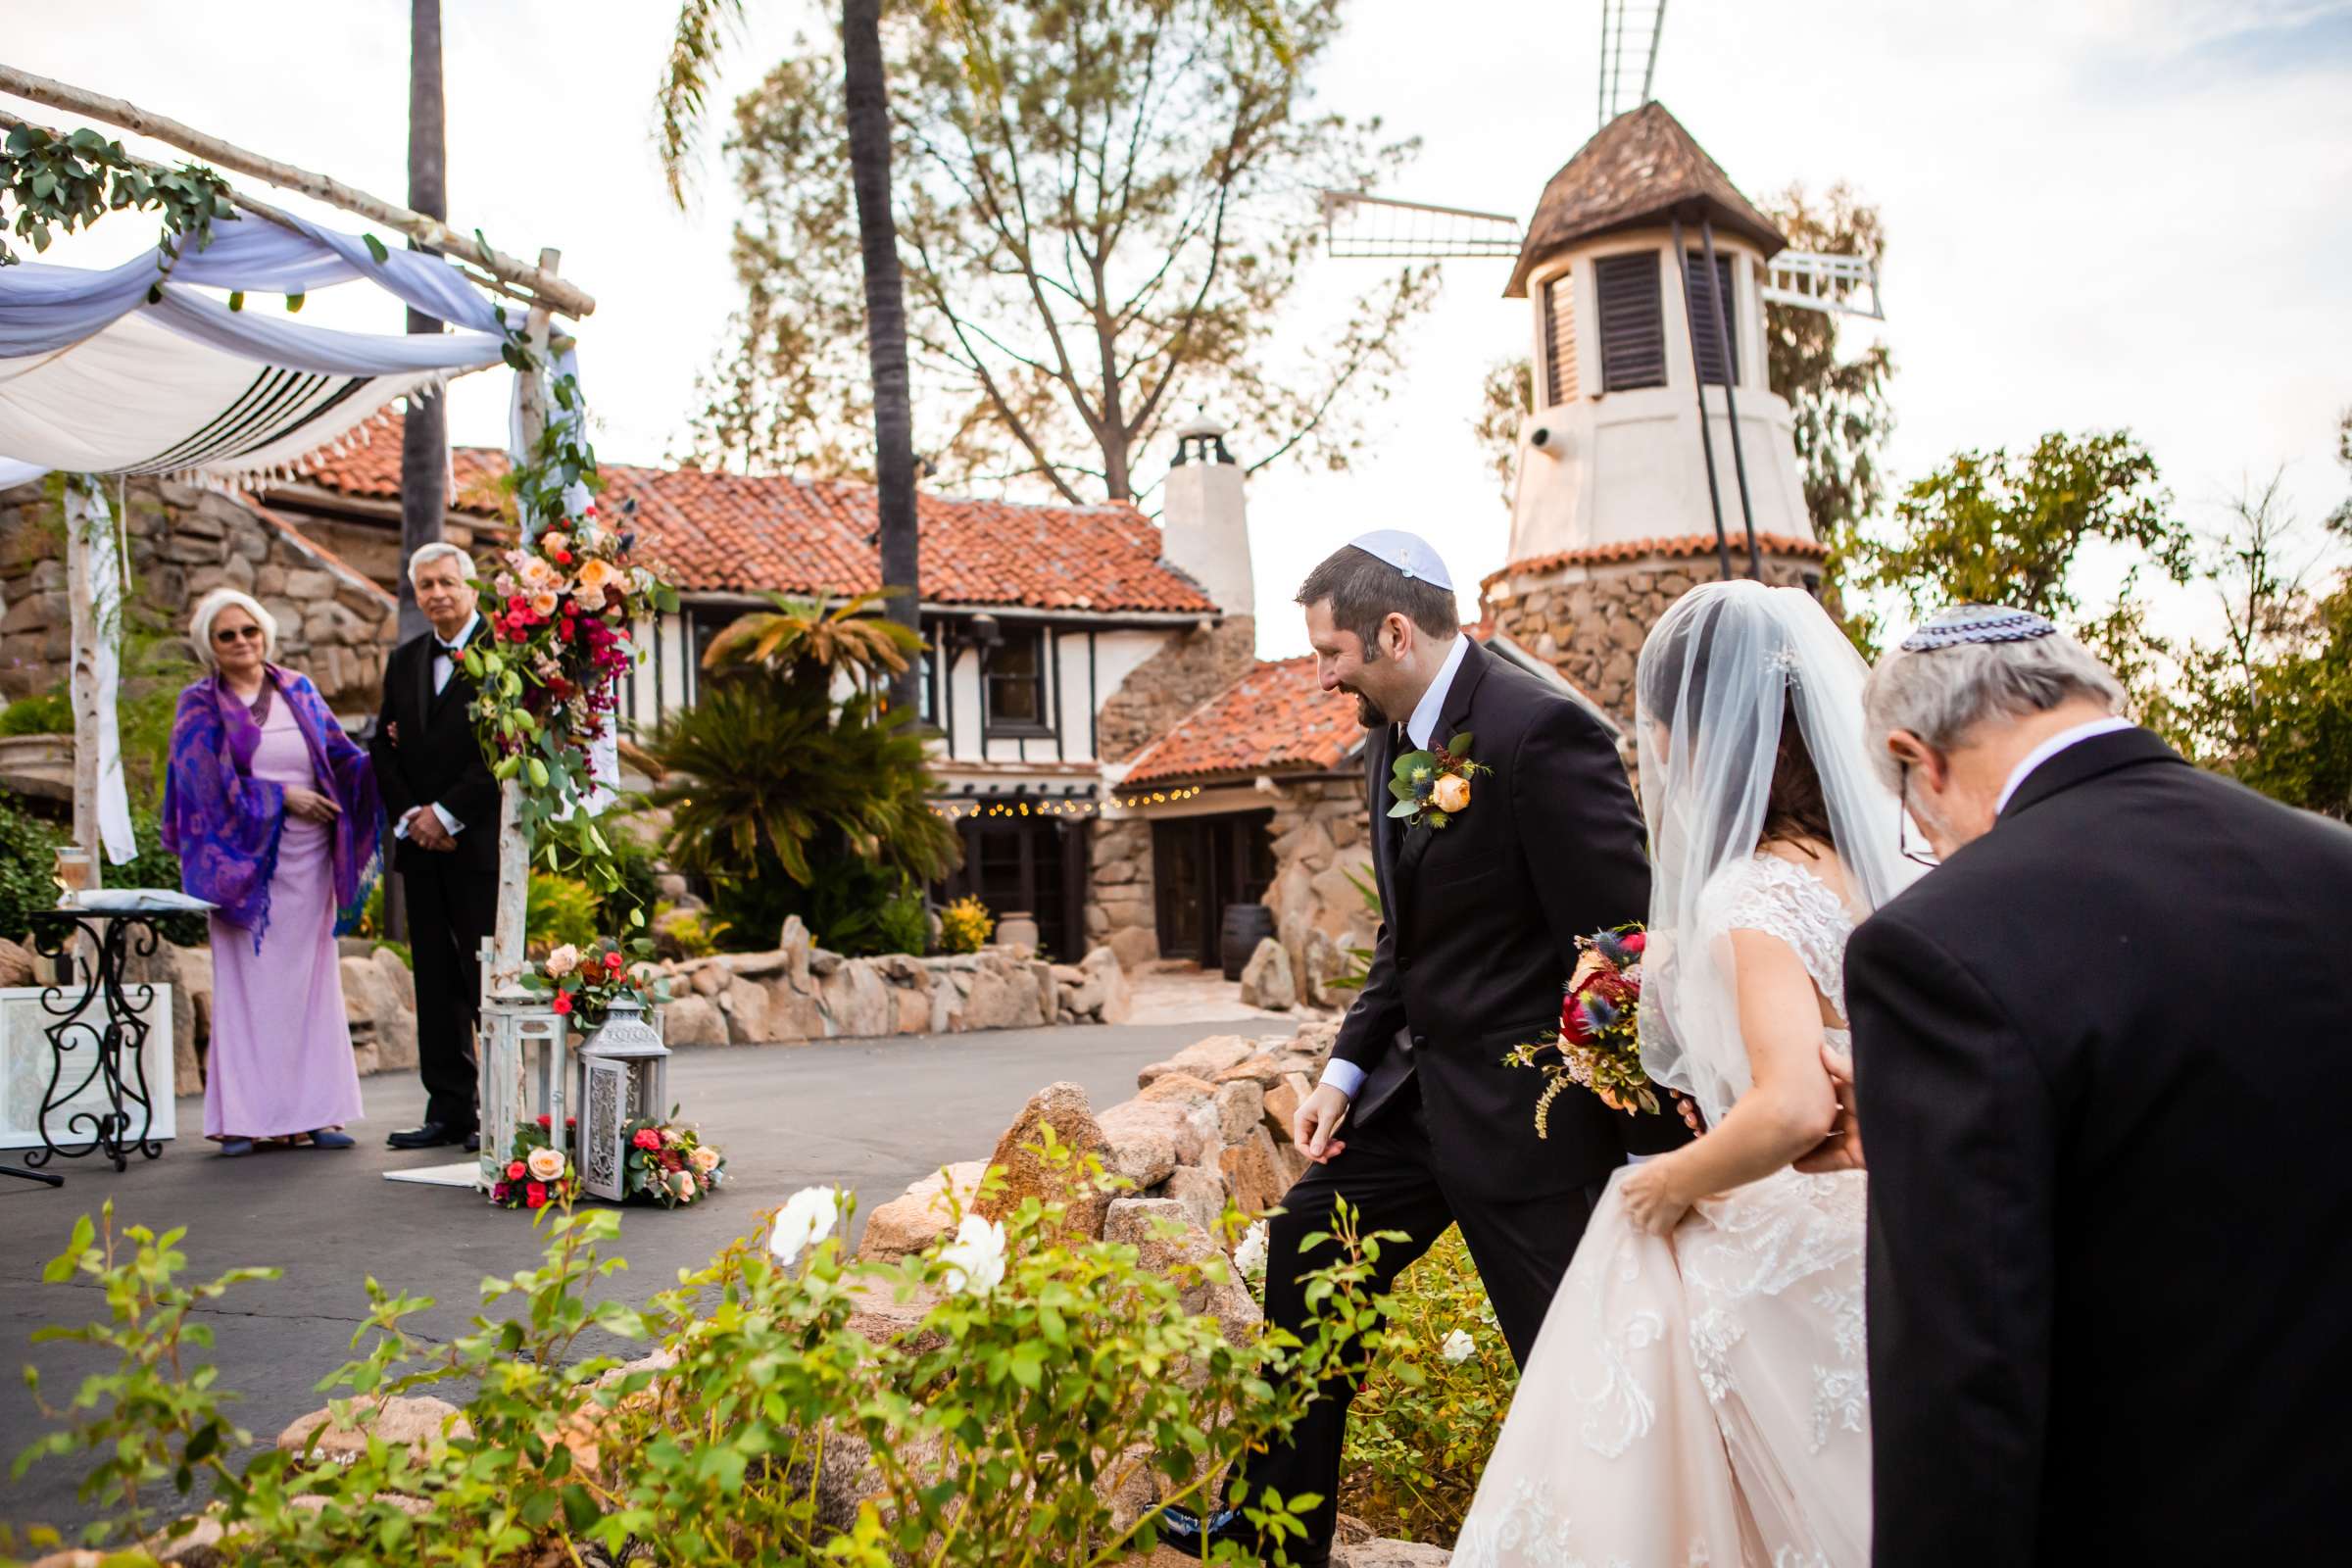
x,y
1902,822
232,634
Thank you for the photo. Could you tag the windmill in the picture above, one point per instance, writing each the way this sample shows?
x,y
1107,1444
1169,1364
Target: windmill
x,y
1647,374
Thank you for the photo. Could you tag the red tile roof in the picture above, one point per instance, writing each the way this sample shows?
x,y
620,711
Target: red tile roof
x,y
717,532
1679,548
1277,718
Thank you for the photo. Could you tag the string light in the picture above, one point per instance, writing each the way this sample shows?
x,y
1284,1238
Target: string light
x,y
1064,808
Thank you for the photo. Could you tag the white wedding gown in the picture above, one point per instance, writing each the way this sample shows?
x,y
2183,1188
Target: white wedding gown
x,y
1702,1399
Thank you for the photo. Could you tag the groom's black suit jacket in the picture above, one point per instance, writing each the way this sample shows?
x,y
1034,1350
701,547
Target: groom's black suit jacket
x,y
2103,1057
1479,929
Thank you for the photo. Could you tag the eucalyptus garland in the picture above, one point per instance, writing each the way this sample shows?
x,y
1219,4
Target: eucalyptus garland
x,y
68,182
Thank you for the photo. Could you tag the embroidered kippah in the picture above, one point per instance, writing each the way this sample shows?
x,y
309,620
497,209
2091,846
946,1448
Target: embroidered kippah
x,y
1977,624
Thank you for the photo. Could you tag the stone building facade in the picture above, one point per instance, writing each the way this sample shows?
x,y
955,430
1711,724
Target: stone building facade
x,y
335,625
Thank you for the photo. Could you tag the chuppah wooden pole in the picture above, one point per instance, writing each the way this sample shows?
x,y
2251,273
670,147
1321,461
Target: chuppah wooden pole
x,y
429,232
83,681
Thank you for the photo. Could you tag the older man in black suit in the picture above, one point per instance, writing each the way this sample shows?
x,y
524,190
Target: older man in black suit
x,y
443,805
2102,1057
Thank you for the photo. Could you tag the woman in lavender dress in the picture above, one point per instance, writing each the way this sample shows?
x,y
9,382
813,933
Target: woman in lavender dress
x,y
273,814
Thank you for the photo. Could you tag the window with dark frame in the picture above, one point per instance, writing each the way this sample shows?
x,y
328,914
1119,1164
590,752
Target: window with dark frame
x,y
1707,325
1559,341
1014,686
1632,322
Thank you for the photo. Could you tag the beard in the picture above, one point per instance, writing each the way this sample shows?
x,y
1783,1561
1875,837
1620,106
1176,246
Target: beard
x,y
1367,711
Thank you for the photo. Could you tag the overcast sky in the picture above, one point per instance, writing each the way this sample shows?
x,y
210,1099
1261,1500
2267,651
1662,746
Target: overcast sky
x,y
2100,213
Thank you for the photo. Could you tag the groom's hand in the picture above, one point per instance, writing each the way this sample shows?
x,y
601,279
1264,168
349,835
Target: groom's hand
x,y
1316,1122
1842,1148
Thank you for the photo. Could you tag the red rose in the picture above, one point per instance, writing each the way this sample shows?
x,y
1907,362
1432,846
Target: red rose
x,y
612,960
1575,1028
1634,942
517,1171
646,1137
547,1121
562,557
535,1196
561,1005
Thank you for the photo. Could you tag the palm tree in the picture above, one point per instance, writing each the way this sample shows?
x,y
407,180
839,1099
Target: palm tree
x,y
803,633
694,57
425,434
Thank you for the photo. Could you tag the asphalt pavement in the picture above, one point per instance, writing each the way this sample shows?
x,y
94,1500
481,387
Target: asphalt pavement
x,y
870,1115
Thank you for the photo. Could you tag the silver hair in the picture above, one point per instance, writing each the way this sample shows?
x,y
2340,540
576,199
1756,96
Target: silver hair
x,y
439,550
1942,694
209,608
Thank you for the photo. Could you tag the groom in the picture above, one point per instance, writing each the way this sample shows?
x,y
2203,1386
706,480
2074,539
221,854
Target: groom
x,y
1417,1123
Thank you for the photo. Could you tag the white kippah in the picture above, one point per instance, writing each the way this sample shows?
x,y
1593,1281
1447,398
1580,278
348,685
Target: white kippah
x,y
1408,553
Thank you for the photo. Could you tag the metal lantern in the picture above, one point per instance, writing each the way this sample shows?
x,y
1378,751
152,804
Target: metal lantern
x,y
623,1077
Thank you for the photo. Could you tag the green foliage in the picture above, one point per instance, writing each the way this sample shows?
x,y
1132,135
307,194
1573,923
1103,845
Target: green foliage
x,y
1359,960
965,925
28,868
1419,1434
68,182
685,933
51,713
802,635
1505,399
634,884
2304,753
1098,217
1022,1404
559,911
1989,529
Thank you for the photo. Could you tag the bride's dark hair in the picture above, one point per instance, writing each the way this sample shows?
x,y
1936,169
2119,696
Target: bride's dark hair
x,y
1795,808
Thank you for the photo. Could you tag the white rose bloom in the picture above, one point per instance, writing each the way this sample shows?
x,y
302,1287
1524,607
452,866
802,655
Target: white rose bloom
x,y
1459,1347
806,1219
1250,1257
562,962
975,1259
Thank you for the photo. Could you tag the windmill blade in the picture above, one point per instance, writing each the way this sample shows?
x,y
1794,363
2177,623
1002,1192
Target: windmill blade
x,y
1630,31
1368,228
1815,280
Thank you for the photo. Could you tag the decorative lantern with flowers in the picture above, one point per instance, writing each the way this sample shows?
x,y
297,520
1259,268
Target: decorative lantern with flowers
x,y
624,1081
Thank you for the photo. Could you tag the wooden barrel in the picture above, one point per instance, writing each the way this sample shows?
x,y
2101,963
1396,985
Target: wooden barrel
x,y
1246,926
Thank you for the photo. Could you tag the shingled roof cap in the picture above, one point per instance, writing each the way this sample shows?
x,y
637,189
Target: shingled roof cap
x,y
1642,168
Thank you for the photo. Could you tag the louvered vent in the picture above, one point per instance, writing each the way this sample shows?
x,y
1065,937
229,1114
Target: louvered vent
x,y
1708,315
1632,329
1559,341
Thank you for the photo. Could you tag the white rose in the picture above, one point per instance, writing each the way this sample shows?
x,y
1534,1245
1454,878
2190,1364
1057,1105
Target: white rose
x,y
806,1219
975,1259
562,962
1250,1257
1459,1347
546,1164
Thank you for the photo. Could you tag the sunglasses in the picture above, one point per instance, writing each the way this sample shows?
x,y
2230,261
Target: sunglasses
x,y
235,634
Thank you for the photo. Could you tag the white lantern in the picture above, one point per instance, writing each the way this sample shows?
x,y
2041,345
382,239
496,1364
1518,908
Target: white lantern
x,y
623,1077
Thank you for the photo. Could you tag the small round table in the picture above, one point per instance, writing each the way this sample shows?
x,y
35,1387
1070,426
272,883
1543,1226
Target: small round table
x,y
99,1038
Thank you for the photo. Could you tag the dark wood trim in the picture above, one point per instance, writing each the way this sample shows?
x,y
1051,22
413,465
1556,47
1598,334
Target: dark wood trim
x,y
1094,701
1061,752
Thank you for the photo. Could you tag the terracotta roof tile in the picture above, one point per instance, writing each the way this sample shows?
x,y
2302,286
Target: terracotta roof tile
x,y
1638,168
718,532
1276,718
1679,548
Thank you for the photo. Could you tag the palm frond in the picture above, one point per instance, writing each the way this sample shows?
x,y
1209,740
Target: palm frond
x,y
697,45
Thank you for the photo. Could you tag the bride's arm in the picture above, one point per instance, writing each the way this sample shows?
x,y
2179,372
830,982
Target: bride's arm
x,y
1789,1111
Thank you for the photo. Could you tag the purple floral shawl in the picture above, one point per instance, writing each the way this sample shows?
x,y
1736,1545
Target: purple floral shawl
x,y
225,825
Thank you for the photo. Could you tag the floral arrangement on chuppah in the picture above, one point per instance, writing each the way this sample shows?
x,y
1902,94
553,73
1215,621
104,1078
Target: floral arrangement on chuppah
x,y
670,1164
537,1173
582,985
1598,1041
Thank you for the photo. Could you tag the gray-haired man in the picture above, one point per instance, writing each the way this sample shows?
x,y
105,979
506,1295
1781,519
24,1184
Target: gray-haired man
x,y
2102,1060
443,807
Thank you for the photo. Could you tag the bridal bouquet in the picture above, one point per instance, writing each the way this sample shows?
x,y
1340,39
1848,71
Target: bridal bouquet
x,y
1597,1045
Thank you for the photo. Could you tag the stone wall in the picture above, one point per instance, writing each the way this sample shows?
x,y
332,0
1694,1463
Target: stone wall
x,y
1319,838
334,624
1591,620
1119,908
1193,668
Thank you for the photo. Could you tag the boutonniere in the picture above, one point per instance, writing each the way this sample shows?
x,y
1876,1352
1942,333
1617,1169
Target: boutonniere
x,y
1434,786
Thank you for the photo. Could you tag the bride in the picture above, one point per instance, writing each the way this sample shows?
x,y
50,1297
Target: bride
x,y
1697,1395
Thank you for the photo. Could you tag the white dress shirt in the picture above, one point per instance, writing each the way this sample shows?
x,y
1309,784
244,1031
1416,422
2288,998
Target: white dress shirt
x,y
2051,748
444,667
1345,1076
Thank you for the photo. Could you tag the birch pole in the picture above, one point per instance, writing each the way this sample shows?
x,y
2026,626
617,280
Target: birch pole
x,y
82,685
513,852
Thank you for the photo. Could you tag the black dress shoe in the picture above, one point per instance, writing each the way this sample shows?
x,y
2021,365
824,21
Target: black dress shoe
x,y
473,1142
431,1135
1195,1536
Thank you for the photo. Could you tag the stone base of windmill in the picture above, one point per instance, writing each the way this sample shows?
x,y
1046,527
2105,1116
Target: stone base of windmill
x,y
1587,611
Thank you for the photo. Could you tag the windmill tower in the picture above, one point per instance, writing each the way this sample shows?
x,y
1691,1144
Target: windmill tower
x,y
1657,455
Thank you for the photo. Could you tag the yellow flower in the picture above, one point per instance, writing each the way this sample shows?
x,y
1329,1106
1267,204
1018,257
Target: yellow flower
x,y
1453,793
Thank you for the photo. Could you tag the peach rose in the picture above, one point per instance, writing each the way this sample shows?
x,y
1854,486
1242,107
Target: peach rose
x,y
595,574
553,541
536,571
562,962
547,1164
705,1159
543,602
682,1183
1451,794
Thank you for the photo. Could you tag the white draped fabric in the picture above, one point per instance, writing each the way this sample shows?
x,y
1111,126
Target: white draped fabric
x,y
88,515
97,377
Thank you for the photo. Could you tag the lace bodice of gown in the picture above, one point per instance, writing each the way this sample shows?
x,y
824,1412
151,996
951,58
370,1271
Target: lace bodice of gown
x,y
1783,899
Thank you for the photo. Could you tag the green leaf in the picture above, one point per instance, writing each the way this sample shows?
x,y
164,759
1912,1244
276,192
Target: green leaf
x,y
1404,807
1460,746
375,248
294,302
236,299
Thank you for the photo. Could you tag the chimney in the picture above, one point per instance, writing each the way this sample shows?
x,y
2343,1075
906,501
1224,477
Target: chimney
x,y
1204,520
